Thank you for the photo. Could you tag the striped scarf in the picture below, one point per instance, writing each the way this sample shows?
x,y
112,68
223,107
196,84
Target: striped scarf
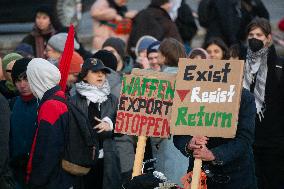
x,y
256,66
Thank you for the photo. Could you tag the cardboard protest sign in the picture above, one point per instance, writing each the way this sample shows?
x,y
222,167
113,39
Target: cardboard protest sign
x,y
207,98
145,104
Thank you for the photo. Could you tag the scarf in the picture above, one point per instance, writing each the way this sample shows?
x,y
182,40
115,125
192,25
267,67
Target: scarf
x,y
93,93
27,98
10,85
42,76
256,66
40,40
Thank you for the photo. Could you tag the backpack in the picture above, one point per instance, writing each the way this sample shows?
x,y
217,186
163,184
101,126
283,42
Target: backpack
x,y
80,144
203,12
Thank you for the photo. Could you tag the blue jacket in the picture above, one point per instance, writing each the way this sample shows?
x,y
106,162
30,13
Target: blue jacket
x,y
23,120
234,162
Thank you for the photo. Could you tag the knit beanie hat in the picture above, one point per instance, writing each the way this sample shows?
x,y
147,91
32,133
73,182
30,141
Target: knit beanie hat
x,y
9,58
25,50
44,9
154,47
158,3
57,42
76,63
198,52
42,76
19,68
107,58
143,43
118,44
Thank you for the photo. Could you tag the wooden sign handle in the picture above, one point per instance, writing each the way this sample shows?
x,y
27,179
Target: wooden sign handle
x,y
139,156
196,173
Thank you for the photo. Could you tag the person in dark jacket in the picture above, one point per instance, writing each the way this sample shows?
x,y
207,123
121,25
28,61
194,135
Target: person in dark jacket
x,y
124,143
154,21
43,29
251,9
181,14
118,47
7,87
23,121
229,161
265,80
225,17
6,179
94,98
44,168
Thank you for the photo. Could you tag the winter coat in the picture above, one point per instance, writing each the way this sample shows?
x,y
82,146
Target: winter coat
x,y
44,166
234,161
23,120
4,134
185,22
269,133
153,21
114,80
124,143
224,21
111,173
6,92
43,38
251,9
23,127
6,176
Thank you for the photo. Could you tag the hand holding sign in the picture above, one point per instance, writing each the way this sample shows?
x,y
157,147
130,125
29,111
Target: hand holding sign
x,y
206,103
204,154
197,142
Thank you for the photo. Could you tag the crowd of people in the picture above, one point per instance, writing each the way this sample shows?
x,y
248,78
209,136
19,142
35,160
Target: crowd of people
x,y
33,119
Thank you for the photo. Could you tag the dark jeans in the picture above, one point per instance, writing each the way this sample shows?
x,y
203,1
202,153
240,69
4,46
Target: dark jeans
x,y
269,167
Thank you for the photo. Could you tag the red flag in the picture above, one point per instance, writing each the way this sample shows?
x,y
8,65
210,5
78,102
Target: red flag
x,y
66,57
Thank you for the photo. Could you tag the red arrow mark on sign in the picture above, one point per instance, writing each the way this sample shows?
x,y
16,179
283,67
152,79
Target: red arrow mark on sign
x,y
182,94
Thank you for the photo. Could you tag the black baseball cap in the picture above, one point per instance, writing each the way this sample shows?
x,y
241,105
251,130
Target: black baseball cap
x,y
95,65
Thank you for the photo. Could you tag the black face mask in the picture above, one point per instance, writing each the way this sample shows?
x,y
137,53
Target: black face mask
x,y
255,44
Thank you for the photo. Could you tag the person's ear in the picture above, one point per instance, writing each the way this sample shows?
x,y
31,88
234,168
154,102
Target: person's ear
x,y
269,37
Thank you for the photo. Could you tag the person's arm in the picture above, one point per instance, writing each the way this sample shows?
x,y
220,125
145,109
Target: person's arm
x,y
245,133
4,132
100,10
181,143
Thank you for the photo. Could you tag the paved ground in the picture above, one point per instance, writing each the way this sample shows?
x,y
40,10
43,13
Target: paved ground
x,y
15,32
